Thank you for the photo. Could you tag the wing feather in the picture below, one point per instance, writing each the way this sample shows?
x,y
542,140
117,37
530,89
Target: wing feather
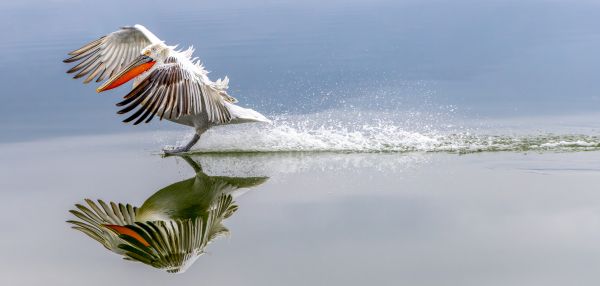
x,y
107,55
172,90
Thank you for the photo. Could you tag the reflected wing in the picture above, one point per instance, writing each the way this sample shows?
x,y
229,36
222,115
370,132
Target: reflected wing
x,y
93,219
172,90
174,245
106,56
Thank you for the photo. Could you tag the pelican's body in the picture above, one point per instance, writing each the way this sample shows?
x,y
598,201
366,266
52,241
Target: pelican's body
x,y
167,83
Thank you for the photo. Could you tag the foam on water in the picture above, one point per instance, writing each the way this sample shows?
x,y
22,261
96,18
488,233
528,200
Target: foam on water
x,y
333,134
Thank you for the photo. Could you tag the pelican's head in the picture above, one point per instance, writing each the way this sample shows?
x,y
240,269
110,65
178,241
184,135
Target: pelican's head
x,y
157,51
151,54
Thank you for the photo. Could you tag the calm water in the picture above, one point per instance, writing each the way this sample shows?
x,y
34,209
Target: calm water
x,y
450,62
323,219
442,143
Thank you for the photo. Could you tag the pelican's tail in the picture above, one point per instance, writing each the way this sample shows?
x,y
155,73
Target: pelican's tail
x,y
243,115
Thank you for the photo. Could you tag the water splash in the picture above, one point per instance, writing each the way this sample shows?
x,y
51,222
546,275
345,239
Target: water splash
x,y
362,135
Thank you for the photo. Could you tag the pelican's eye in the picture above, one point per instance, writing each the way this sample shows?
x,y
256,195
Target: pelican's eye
x,y
147,52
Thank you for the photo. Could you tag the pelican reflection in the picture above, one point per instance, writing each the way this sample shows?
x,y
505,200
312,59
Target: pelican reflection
x,y
172,227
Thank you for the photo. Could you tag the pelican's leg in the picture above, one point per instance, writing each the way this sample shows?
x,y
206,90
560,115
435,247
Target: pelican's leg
x,y
189,145
197,167
184,148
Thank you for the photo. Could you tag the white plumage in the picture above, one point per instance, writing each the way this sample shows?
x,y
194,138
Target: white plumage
x,y
167,83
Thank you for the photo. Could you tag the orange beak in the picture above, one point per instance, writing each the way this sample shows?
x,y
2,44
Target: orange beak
x,y
126,231
135,68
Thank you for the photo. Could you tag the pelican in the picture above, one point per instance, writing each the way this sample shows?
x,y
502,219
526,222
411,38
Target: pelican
x,y
171,229
167,83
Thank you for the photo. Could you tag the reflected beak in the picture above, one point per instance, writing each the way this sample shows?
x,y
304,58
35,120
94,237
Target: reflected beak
x,y
135,68
122,230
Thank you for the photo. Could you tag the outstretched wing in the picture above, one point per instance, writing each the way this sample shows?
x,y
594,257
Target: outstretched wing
x,y
173,245
93,220
108,55
174,89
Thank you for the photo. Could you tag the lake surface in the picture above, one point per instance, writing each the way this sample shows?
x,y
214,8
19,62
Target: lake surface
x,y
413,143
419,219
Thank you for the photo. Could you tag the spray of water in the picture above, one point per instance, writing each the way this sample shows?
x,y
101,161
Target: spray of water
x,y
368,133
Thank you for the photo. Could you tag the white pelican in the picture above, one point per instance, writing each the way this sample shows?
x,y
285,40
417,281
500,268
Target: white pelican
x,y
173,226
167,83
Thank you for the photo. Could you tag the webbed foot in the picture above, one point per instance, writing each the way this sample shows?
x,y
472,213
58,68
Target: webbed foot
x,y
182,149
175,151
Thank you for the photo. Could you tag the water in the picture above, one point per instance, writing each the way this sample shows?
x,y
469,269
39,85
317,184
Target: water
x,y
456,62
485,218
360,175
